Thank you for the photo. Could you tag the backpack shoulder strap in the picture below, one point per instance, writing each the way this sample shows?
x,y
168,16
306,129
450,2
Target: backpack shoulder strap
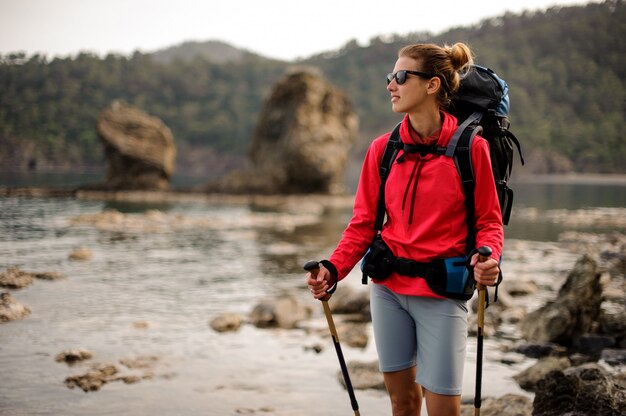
x,y
391,151
474,118
463,161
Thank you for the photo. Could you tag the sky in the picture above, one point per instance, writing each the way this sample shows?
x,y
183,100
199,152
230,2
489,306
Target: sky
x,y
283,29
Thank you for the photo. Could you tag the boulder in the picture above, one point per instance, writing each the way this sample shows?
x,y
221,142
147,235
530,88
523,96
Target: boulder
x,y
81,254
353,334
584,390
48,275
363,376
10,309
593,344
507,405
73,356
301,141
348,300
139,148
539,350
517,288
15,278
529,378
93,379
226,322
285,312
574,310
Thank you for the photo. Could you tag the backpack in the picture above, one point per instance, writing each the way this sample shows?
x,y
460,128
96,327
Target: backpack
x,y
481,106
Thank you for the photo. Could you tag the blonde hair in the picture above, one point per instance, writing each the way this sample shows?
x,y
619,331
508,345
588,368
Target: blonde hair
x,y
446,63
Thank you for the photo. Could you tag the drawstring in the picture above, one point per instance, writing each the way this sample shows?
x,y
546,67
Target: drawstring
x,y
420,148
414,178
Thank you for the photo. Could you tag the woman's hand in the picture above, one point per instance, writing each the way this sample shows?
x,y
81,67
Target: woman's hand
x,y
485,272
319,283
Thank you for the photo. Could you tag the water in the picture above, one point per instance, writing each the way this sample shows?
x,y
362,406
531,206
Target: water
x,y
155,282
69,180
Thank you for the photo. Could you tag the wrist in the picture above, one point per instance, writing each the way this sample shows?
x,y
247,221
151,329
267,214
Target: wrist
x,y
333,275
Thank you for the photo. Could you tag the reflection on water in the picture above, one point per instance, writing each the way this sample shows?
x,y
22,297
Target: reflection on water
x,y
72,180
569,195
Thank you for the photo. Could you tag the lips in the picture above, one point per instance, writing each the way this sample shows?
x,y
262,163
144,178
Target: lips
x,y
395,98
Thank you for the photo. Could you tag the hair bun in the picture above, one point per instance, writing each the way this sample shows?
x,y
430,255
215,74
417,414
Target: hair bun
x,y
460,56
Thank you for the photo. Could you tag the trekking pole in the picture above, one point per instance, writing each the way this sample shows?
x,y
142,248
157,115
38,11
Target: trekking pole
x,y
313,267
483,254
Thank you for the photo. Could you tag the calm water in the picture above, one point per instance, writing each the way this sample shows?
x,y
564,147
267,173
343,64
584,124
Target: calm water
x,y
154,284
69,180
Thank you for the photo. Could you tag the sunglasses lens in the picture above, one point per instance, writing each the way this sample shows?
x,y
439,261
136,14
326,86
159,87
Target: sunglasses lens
x,y
400,77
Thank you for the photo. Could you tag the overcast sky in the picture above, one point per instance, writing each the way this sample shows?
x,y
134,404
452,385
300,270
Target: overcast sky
x,y
284,29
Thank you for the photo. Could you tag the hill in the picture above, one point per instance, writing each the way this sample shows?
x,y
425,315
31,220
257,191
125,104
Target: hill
x,y
213,51
564,68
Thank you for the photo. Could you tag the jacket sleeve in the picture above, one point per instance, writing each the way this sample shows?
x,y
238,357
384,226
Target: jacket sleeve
x,y
488,218
360,232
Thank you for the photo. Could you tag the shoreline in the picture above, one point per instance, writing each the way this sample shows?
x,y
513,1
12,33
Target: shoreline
x,y
573,178
196,194
177,195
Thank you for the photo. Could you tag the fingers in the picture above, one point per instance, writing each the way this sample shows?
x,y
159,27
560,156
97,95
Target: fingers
x,y
318,285
486,272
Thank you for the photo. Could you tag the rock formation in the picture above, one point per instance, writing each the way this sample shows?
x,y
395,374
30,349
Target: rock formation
x,y
573,312
584,390
139,148
301,141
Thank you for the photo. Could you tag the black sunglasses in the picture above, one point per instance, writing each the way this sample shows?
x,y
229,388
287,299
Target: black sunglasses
x,y
400,76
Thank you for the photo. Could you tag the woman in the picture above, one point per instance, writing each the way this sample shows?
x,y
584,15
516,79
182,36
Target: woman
x,y
420,335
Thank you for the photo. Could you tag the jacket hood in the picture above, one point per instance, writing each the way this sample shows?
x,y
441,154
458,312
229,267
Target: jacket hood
x,y
447,130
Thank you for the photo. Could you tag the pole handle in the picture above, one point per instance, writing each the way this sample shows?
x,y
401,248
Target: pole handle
x,y
313,267
484,253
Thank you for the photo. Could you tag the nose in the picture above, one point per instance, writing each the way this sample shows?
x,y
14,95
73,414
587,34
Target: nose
x,y
392,85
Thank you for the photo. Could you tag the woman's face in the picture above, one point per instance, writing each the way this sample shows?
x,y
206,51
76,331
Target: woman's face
x,y
412,95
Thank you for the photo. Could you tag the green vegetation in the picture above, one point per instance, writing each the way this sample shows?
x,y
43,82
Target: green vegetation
x,y
564,67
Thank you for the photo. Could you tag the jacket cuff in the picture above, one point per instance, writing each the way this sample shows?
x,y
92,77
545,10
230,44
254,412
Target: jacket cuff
x,y
333,273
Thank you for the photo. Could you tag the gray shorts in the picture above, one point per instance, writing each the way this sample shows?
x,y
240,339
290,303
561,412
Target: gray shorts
x,y
430,333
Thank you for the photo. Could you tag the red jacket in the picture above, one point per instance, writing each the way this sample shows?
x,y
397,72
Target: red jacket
x,y
429,188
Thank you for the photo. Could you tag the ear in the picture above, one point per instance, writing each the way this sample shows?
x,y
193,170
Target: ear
x,y
433,85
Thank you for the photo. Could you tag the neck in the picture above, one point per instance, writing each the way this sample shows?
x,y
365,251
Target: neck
x,y
426,123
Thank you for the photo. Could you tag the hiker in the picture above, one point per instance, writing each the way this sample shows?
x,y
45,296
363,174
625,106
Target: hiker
x,y
420,335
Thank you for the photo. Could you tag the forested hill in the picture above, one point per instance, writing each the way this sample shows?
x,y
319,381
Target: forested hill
x,y
564,67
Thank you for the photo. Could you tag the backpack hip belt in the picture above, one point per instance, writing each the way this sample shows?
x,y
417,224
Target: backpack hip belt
x,y
446,277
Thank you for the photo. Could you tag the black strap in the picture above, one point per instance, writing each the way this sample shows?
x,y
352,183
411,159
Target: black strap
x,y
473,118
463,161
512,137
391,150
412,268
423,149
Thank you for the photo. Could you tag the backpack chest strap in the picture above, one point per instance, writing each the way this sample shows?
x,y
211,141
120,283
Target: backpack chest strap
x,y
423,149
